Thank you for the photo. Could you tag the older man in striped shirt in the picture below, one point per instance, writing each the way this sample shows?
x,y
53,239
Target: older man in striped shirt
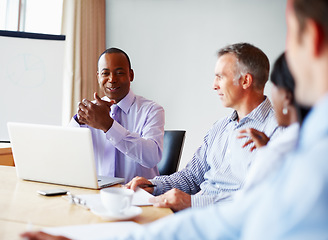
x,y
219,166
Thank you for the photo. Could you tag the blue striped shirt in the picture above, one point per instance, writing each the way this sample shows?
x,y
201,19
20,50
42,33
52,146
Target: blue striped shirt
x,y
219,166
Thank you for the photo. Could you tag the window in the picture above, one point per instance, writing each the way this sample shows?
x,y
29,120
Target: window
x,y
9,14
39,16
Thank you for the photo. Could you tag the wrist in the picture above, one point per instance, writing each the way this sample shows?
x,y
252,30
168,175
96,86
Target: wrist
x,y
108,126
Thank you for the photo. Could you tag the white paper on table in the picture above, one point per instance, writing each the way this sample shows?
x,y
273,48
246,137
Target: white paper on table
x,y
140,198
95,231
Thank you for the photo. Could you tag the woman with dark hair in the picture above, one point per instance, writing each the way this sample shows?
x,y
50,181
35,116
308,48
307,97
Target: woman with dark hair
x,y
289,115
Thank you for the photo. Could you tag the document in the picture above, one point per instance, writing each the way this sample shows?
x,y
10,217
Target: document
x,y
95,231
141,198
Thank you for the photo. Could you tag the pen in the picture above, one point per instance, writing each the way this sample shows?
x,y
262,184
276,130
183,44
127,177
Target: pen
x,y
146,185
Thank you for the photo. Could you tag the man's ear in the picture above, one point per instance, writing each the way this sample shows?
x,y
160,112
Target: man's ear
x,y
316,35
97,74
131,73
247,81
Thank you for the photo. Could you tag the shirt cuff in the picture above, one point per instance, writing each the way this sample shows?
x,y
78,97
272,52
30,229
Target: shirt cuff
x,y
116,133
158,190
199,200
202,199
74,122
75,118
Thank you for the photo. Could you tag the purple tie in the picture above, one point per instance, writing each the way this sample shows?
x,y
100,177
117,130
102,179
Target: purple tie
x,y
115,113
108,164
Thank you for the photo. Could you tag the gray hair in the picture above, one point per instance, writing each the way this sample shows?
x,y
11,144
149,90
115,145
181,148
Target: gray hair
x,y
250,59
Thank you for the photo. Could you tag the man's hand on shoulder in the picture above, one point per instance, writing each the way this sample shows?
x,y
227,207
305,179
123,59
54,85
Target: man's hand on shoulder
x,y
257,138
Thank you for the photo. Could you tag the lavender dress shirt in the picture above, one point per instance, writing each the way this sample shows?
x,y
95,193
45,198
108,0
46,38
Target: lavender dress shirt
x,y
137,139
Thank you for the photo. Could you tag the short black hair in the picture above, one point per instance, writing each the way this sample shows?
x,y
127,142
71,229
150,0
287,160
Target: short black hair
x,y
116,50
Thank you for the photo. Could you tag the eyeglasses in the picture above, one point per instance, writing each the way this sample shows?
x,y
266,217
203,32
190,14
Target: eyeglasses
x,y
76,200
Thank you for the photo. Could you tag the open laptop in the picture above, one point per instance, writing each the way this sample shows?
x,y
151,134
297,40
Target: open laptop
x,y
55,154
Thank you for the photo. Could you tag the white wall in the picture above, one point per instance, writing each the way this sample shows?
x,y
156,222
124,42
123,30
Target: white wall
x,y
173,43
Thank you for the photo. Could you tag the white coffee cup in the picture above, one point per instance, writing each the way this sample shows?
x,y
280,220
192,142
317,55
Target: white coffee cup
x,y
116,200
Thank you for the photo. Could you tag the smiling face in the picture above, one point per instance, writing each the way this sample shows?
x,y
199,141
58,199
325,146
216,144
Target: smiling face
x,y
114,75
227,87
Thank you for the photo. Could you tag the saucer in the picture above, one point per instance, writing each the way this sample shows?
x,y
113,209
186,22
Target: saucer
x,y
129,213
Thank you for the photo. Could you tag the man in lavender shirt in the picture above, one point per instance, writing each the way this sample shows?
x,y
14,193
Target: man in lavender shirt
x,y
127,130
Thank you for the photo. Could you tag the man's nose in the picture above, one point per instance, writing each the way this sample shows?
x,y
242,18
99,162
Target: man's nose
x,y
111,78
216,84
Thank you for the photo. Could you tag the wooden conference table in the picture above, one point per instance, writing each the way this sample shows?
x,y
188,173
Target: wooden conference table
x,y
21,208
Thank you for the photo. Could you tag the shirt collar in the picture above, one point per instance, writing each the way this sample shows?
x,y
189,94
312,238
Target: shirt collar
x,y
126,102
259,113
315,125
